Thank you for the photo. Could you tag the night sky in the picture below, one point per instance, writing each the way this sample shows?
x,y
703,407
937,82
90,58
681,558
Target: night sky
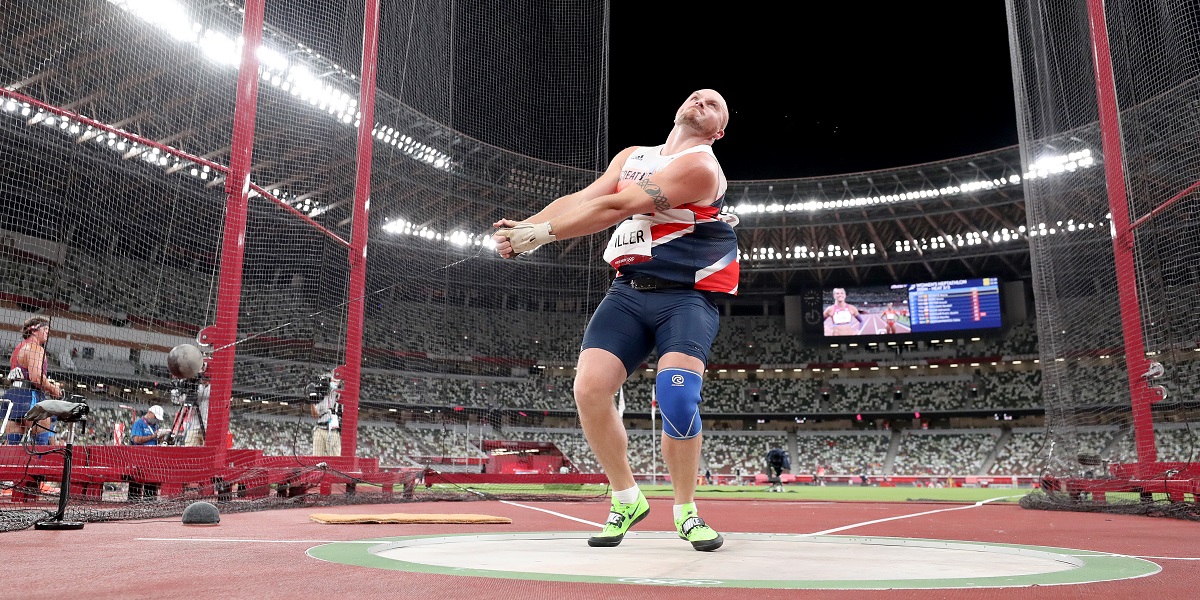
x,y
818,89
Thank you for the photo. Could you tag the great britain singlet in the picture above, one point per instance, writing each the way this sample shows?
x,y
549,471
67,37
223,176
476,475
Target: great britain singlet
x,y
690,244
18,372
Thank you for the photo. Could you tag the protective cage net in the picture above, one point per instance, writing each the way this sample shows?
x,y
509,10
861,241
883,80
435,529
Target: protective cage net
x,y
119,140
1113,247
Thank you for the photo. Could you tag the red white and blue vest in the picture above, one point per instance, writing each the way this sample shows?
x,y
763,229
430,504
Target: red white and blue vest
x,y
691,244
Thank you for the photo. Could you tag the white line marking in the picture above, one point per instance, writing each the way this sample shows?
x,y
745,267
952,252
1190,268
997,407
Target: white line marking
x,y
1101,553
826,532
550,512
260,541
920,514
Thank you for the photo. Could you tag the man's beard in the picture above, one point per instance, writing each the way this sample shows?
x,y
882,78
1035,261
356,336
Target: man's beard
x,y
688,118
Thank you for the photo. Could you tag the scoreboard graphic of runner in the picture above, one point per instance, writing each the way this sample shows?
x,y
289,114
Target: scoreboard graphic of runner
x,y
955,304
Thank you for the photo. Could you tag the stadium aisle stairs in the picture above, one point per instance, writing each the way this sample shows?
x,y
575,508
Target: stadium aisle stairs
x,y
1113,450
1004,439
893,449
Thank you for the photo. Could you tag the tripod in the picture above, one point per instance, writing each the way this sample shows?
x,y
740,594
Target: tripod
x,y
4,422
179,425
56,523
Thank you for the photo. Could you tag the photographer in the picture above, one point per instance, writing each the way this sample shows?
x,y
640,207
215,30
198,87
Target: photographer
x,y
325,408
777,462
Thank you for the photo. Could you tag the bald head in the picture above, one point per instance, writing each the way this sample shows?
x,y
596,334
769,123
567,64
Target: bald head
x,y
721,101
706,111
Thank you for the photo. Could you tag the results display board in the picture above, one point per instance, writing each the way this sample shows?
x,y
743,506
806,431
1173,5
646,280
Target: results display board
x,y
927,307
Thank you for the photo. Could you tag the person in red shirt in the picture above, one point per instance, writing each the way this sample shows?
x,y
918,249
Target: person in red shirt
x,y
28,380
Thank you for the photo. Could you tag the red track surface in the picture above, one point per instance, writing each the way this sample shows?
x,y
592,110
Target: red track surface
x,y
108,560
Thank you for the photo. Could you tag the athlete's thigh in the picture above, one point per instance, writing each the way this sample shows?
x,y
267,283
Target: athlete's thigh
x,y
619,326
686,322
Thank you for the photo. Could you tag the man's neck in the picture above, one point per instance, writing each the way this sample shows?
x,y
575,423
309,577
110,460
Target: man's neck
x,y
682,138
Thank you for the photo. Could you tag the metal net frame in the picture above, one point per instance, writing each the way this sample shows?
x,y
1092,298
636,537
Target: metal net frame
x,y
1114,83
301,190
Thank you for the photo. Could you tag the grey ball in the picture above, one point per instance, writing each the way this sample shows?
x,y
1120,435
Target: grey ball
x,y
201,513
185,361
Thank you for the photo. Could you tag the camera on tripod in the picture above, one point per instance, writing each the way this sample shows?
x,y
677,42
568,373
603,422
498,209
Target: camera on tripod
x,y
316,391
184,391
186,394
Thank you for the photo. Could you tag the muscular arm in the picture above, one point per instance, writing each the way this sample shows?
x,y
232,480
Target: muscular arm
x,y
605,184
693,178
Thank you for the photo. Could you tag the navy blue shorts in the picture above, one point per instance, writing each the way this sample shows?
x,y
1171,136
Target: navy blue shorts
x,y
629,323
23,399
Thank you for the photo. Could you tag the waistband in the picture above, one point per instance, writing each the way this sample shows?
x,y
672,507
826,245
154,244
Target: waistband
x,y
650,283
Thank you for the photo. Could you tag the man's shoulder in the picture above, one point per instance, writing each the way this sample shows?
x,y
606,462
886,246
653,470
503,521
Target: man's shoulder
x,y
632,153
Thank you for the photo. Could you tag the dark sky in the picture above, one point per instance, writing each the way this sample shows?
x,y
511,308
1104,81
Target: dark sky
x,y
818,88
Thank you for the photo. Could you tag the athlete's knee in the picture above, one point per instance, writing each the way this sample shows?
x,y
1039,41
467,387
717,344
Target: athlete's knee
x,y
42,439
598,378
678,394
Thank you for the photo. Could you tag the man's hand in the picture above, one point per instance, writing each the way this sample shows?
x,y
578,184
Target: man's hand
x,y
163,432
513,238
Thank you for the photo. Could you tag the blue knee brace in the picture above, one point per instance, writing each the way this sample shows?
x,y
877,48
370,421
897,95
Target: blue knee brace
x,y
678,395
42,439
14,439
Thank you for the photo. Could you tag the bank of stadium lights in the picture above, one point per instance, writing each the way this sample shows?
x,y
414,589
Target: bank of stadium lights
x,y
277,70
804,252
995,237
820,205
1050,165
165,15
1046,166
113,141
457,238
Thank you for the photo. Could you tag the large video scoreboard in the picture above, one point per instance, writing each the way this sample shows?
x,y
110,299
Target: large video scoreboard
x,y
953,305
912,308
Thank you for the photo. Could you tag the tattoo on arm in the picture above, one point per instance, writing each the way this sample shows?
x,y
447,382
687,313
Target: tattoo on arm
x,y
655,193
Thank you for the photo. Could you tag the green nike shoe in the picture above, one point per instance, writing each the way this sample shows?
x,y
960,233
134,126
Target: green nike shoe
x,y
622,517
692,528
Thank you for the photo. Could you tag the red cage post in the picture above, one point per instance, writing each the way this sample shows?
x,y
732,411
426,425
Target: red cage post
x,y
352,370
237,189
1136,363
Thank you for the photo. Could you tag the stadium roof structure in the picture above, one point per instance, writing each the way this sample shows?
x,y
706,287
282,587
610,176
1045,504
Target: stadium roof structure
x,y
956,218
